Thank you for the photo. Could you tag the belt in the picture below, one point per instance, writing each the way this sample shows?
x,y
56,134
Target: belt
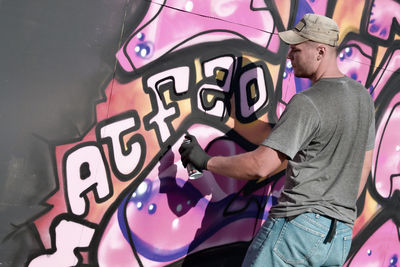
x,y
332,228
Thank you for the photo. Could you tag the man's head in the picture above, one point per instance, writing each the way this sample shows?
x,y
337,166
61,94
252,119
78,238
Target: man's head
x,y
313,47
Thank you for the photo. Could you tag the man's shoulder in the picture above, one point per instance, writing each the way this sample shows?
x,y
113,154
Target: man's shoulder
x,y
301,98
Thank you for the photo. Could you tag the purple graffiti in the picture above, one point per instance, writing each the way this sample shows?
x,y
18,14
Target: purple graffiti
x,y
385,72
381,18
354,60
186,215
381,249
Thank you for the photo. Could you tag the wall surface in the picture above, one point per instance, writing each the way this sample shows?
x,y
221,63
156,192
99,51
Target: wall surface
x,y
96,97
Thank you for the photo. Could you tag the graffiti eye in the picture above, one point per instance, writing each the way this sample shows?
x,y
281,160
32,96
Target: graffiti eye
x,y
289,65
383,33
354,76
189,6
141,36
374,28
142,193
341,56
348,51
144,50
288,69
393,260
152,208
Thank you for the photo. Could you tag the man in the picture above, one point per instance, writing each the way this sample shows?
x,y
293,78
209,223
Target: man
x,y
326,134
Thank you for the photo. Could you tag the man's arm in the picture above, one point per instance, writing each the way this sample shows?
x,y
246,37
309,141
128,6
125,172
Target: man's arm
x,y
257,164
365,171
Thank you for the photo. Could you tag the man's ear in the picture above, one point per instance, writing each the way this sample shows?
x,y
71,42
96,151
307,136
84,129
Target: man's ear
x,y
321,51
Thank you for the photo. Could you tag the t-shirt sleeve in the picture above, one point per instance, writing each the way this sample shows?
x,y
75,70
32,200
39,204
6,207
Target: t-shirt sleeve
x,y
298,124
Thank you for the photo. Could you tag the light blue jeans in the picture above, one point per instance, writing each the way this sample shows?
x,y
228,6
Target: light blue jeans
x,y
299,242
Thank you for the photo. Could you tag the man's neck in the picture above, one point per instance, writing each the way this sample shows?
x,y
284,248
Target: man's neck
x,y
326,71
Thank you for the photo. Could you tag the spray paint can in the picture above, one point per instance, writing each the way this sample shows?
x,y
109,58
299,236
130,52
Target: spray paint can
x,y
192,171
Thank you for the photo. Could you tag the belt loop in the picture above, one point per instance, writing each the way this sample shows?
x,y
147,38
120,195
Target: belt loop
x,y
332,231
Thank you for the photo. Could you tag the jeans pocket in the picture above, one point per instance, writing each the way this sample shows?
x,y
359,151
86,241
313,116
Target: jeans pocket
x,y
346,247
256,246
297,242
263,233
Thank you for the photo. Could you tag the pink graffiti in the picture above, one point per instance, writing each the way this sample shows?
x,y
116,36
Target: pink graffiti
x,y
319,7
170,216
387,168
175,24
381,249
69,236
290,86
385,72
353,62
381,18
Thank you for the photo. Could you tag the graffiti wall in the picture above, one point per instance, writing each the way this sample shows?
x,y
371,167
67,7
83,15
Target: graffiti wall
x,y
117,193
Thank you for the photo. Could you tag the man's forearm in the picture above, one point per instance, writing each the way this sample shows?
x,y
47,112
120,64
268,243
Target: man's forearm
x,y
238,167
257,164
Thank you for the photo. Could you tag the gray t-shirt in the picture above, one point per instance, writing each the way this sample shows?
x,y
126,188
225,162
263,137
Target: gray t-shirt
x,y
325,132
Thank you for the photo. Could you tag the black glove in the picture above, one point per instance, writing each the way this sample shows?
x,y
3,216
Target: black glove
x,y
194,154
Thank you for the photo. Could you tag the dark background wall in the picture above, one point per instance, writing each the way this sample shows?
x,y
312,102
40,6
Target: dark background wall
x,y
56,59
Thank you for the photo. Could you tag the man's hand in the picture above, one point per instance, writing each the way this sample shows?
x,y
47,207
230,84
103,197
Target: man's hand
x,y
194,154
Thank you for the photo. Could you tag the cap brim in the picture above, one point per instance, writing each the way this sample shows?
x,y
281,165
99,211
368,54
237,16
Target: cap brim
x,y
291,37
